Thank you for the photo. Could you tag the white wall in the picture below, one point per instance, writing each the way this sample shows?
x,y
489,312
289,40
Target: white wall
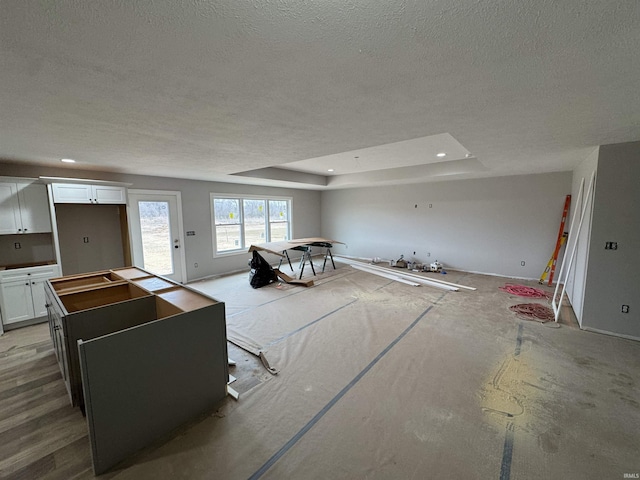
x,y
487,225
197,211
613,276
577,276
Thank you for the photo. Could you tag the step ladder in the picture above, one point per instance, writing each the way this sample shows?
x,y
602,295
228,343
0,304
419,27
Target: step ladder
x,y
562,238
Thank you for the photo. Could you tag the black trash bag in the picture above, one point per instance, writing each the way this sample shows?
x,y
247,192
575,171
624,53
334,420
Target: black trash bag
x,y
261,272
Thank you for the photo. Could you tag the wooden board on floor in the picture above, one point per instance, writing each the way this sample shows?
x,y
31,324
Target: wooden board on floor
x,y
287,279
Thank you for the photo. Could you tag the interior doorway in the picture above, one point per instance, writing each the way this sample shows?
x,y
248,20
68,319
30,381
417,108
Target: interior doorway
x,y
155,219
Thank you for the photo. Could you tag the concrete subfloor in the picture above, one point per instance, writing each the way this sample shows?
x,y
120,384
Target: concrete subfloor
x,y
382,380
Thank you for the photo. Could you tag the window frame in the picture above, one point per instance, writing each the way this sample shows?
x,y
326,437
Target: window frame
x,y
241,197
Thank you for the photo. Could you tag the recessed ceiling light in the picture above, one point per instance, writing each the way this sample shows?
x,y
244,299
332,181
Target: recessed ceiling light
x,y
67,160
330,170
441,154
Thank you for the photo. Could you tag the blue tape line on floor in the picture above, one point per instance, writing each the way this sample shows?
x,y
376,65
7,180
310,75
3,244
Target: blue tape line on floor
x,y
293,332
297,292
287,446
507,453
507,450
518,341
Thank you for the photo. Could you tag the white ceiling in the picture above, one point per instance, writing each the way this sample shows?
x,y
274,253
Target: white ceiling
x,y
277,92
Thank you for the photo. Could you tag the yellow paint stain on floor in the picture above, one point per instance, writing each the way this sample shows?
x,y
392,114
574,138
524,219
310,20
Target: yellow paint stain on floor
x,y
509,391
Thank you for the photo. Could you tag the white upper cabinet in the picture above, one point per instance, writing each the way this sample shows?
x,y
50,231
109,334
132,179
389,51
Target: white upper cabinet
x,y
34,208
9,209
24,208
72,193
87,193
109,194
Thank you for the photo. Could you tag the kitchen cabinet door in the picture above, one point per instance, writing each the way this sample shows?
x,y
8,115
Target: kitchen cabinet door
x,y
9,209
34,208
109,194
17,301
72,193
39,300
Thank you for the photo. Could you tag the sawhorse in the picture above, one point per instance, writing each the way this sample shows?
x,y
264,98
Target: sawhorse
x,y
306,255
327,253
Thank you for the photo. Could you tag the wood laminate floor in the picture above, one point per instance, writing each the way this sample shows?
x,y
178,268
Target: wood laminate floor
x,y
41,435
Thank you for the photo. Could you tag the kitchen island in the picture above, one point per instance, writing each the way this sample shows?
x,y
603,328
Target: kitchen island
x,y
139,353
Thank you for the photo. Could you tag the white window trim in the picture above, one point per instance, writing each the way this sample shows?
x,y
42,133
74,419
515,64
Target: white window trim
x,y
243,250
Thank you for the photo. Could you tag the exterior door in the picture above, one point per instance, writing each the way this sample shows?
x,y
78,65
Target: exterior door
x,y
156,233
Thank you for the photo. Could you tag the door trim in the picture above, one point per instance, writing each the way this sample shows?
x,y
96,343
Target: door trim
x,y
178,196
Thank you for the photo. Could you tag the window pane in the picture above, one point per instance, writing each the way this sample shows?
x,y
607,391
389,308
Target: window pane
x,y
227,237
254,222
226,210
279,231
156,237
278,210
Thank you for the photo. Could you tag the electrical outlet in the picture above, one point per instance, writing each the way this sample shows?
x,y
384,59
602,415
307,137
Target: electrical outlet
x,y
195,265
430,205
611,245
428,254
522,263
17,246
85,239
414,253
625,308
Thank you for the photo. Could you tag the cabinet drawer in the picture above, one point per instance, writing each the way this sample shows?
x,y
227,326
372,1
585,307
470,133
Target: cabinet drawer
x,y
45,271
84,281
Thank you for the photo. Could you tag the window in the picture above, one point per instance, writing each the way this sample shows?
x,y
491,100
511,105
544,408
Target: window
x,y
278,220
242,221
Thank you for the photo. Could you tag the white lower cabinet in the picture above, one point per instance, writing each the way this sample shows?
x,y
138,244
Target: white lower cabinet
x,y
17,302
22,293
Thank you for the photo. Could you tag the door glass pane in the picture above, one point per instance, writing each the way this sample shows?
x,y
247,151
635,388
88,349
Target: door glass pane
x,y
254,222
156,237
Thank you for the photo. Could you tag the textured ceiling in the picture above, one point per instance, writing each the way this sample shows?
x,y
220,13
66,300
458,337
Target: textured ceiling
x,y
206,89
